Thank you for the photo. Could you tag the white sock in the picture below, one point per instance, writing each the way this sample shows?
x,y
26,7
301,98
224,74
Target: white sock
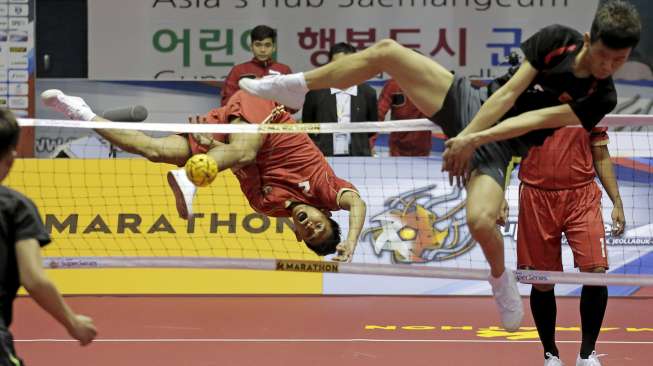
x,y
86,114
297,81
496,280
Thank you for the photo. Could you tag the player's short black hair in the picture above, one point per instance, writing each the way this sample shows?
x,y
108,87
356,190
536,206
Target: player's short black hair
x,y
328,246
261,32
617,25
341,47
9,131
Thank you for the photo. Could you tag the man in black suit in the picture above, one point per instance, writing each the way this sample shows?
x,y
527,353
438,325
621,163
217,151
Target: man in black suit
x,y
356,104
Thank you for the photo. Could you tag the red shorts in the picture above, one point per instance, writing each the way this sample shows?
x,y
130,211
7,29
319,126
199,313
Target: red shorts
x,y
545,215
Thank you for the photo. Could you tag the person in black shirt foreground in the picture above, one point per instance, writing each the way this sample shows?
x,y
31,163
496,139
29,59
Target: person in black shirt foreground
x,y
564,80
22,234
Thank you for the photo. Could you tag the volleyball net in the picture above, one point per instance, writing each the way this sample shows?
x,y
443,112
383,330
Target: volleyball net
x,y
107,208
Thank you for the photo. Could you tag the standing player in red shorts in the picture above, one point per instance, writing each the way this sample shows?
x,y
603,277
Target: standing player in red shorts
x,y
282,175
558,195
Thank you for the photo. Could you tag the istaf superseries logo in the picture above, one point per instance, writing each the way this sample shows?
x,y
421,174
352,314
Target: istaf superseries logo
x,y
422,225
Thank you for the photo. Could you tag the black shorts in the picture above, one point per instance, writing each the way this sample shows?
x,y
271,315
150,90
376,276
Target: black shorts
x,y
7,352
460,106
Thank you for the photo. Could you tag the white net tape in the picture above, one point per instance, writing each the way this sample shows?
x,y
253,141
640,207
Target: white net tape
x,y
620,120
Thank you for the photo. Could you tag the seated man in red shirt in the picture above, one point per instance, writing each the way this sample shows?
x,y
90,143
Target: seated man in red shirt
x,y
264,44
282,175
413,143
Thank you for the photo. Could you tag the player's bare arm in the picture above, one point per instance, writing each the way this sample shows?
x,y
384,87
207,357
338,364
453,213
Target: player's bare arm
x,y
550,117
242,147
352,202
205,140
605,172
44,292
239,152
502,100
459,150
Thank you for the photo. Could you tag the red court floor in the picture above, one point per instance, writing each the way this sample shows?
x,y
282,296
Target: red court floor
x,y
319,330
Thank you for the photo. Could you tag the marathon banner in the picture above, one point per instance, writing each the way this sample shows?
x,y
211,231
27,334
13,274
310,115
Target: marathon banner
x,y
125,207
202,39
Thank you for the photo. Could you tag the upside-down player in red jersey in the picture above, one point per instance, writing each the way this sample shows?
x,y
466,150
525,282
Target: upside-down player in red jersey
x,y
282,175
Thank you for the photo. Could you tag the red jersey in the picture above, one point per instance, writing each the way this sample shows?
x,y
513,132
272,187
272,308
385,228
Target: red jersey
x,y
252,69
416,143
564,161
289,167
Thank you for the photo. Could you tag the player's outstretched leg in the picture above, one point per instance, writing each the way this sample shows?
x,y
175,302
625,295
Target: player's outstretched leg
x,y
424,81
173,149
484,200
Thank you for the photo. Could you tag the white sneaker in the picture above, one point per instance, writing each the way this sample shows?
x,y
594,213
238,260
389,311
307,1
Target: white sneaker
x,y
506,295
73,107
283,89
592,360
552,360
184,191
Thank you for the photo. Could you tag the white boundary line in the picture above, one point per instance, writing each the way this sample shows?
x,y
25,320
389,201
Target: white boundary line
x,y
305,340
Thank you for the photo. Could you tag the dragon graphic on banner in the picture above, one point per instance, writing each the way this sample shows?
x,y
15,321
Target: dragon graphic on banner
x,y
421,225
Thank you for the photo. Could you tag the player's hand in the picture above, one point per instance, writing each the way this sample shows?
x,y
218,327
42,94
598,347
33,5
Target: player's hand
x,y
344,252
203,139
503,213
83,329
618,220
457,157
274,115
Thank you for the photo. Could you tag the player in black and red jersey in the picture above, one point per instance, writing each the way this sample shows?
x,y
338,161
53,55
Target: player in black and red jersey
x,y
565,80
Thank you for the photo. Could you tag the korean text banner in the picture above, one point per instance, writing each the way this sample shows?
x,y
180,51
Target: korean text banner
x,y
203,39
